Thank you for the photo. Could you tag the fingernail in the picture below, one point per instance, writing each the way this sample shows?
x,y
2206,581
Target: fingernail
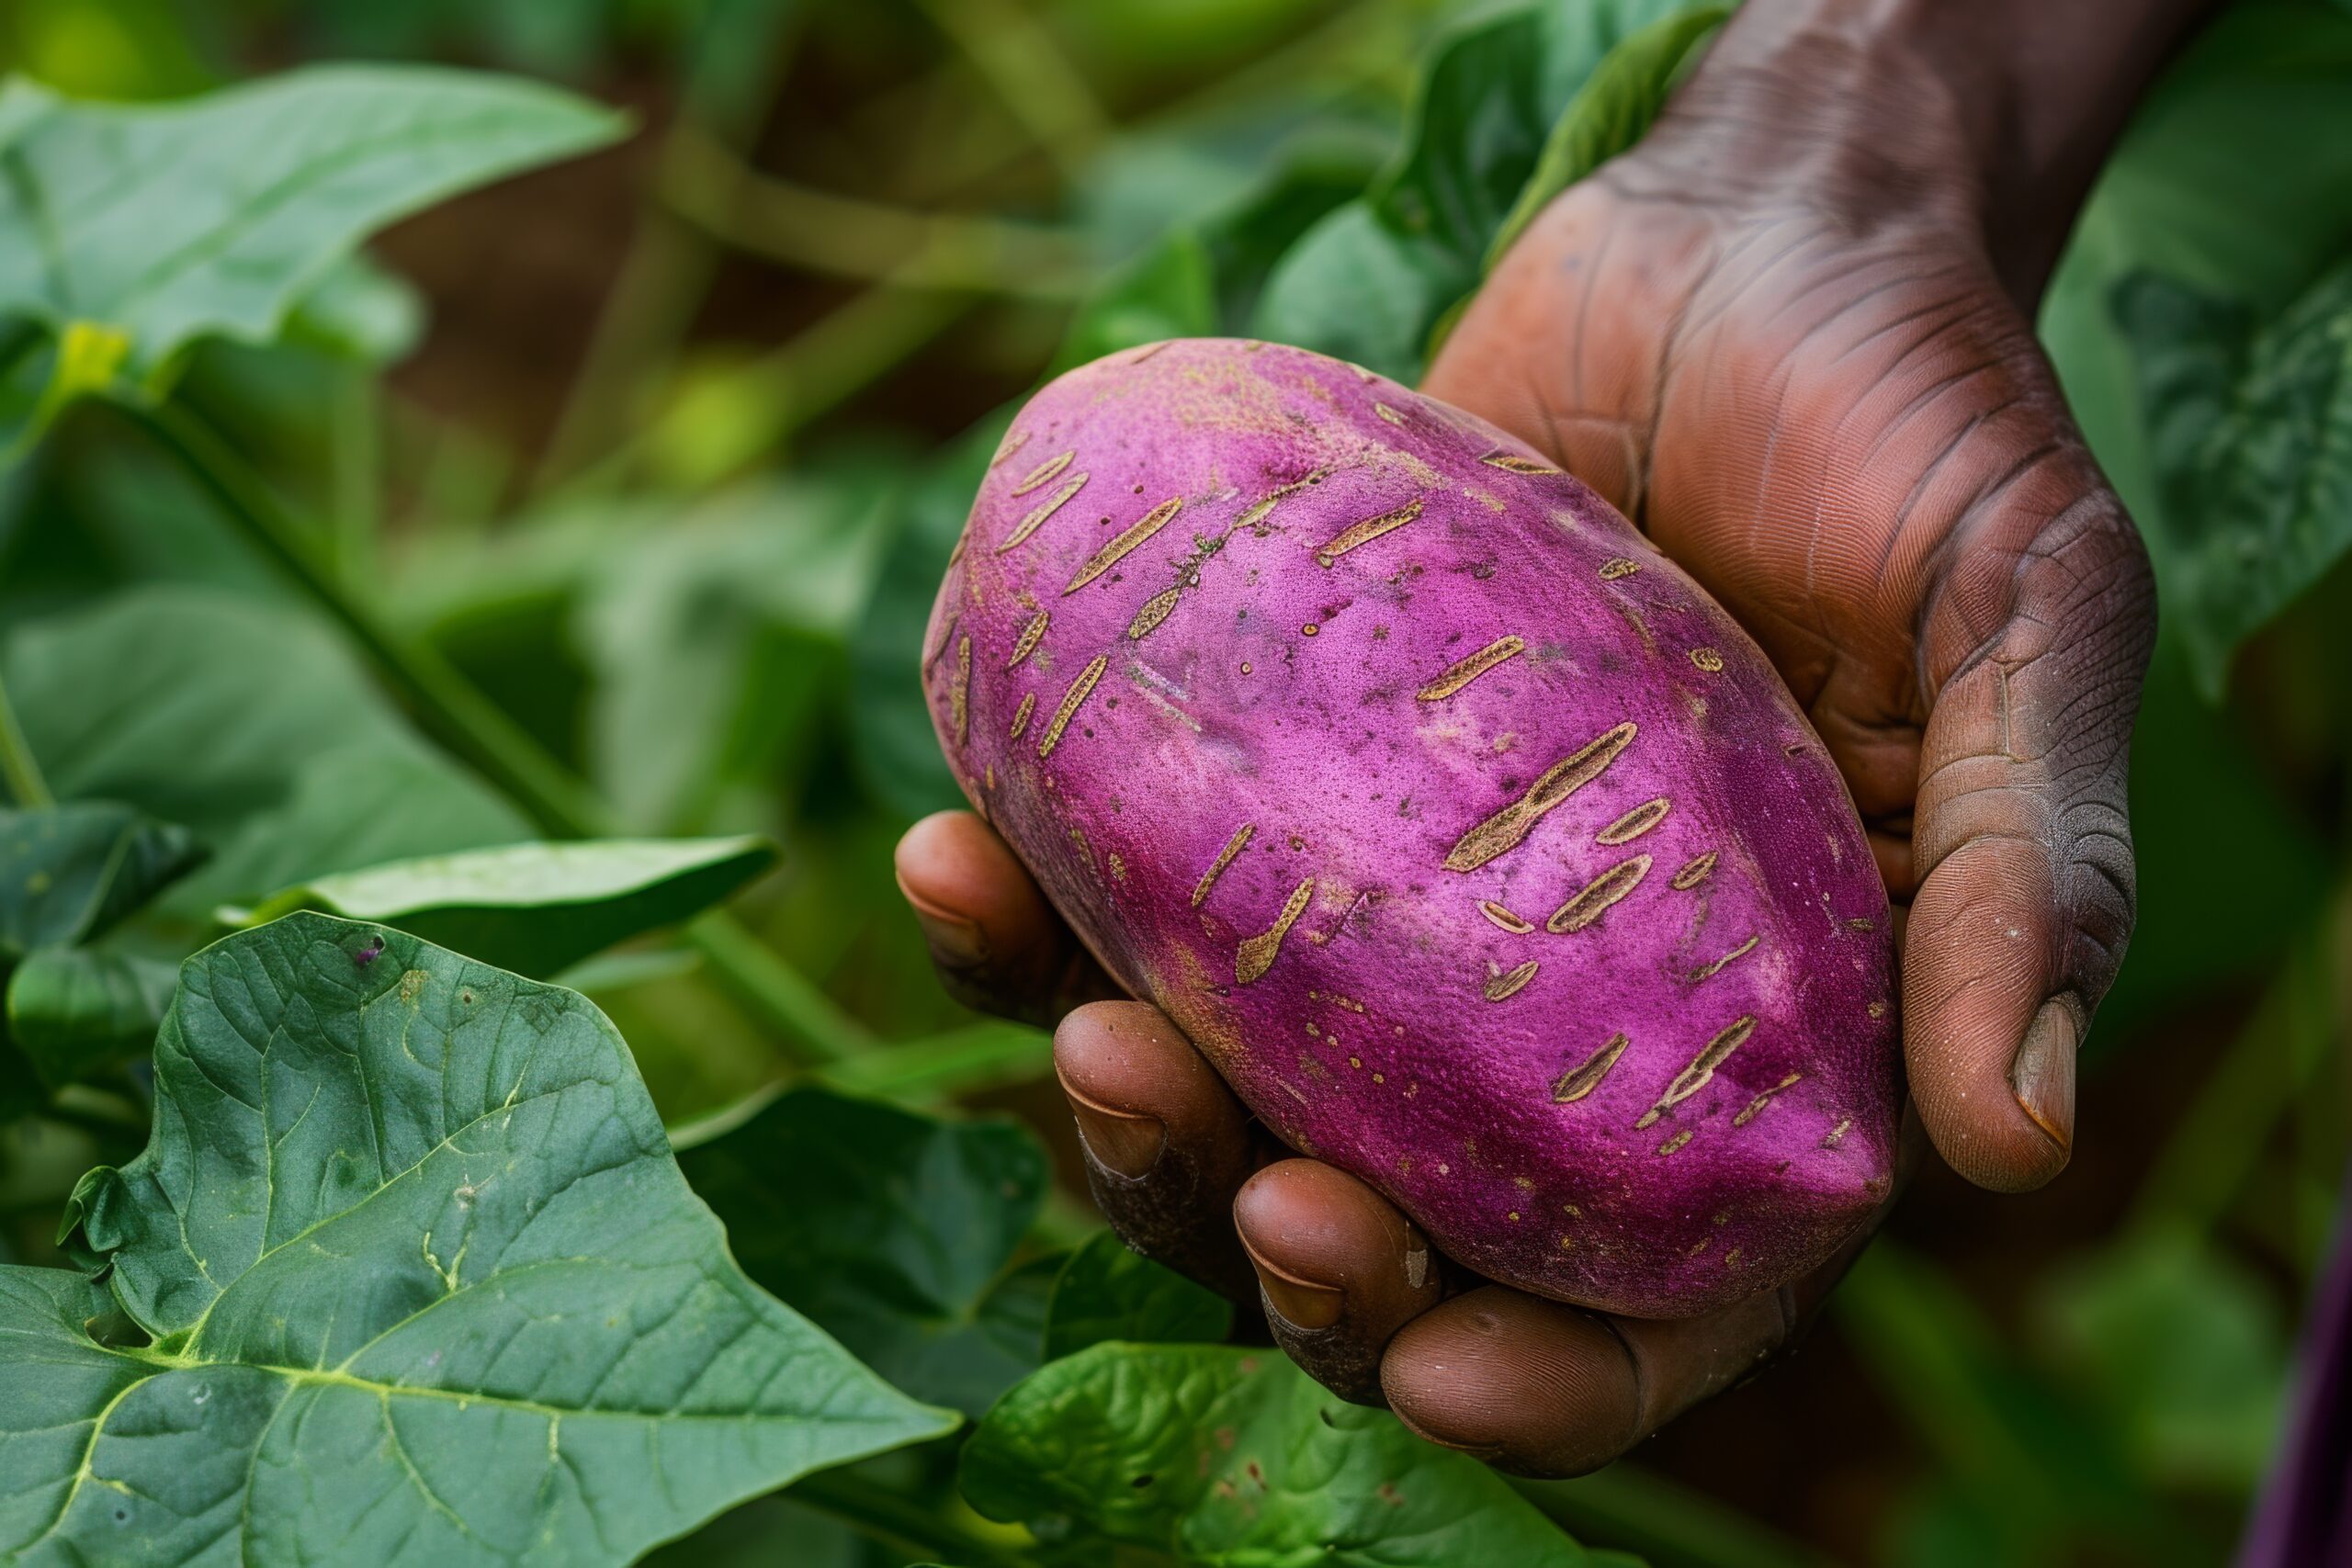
x,y
1300,1302
2043,1072
1119,1140
955,941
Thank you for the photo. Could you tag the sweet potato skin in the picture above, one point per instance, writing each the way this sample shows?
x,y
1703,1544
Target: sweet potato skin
x,y
1481,851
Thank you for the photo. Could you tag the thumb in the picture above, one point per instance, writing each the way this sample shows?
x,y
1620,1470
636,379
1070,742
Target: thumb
x,y
2034,646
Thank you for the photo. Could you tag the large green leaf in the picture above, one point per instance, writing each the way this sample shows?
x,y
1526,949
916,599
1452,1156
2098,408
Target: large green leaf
x,y
1106,1292
76,1011
159,223
886,1227
535,909
2251,427
251,725
2267,87
1233,1459
69,872
423,1284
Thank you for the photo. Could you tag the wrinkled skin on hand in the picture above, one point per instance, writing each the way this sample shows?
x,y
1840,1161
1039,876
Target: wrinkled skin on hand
x,y
1830,410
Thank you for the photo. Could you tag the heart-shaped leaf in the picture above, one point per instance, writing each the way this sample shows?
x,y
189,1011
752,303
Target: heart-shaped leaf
x,y
420,1283
1105,1293
885,1226
159,223
1224,1458
534,909
69,872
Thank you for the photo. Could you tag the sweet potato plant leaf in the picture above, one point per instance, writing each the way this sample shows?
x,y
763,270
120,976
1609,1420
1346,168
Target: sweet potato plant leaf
x,y
2265,85
1609,112
885,1226
250,723
535,909
69,872
1226,1458
2251,428
76,1011
1105,1292
1371,281
164,222
423,1285
360,311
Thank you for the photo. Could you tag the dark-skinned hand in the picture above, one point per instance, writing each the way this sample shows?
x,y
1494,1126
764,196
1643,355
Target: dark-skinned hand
x,y
1792,347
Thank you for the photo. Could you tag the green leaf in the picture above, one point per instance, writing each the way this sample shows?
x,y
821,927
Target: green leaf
x,y
1203,278
1373,279
2251,426
712,640
2266,85
534,909
1106,1292
1227,1457
1609,113
322,776
69,872
76,1011
2183,1352
883,1225
361,311
424,1285
166,223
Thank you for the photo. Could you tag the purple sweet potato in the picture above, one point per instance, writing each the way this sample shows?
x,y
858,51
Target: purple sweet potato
x,y
1483,854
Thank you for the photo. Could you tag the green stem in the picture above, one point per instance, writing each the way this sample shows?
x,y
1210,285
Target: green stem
x,y
849,236
907,1524
18,769
813,1029
775,991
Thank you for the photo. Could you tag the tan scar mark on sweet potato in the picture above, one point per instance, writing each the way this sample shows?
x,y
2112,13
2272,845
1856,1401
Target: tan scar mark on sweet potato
x,y
1133,536
1043,473
1156,609
1014,440
1500,988
1517,465
959,692
1583,1079
1463,671
1708,971
1070,700
1595,899
1694,871
1043,510
1364,533
1233,846
1701,1070
1506,828
1756,1107
1616,567
1030,636
1256,955
1635,823
1504,917
1021,714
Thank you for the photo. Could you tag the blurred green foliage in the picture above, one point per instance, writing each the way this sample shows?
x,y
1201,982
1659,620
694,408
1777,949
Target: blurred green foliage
x,y
616,497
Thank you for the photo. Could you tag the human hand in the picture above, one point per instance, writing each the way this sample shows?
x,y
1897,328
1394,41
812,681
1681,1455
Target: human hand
x,y
1785,337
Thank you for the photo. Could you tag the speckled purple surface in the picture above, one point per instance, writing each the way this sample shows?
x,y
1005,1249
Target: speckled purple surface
x,y
1483,854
